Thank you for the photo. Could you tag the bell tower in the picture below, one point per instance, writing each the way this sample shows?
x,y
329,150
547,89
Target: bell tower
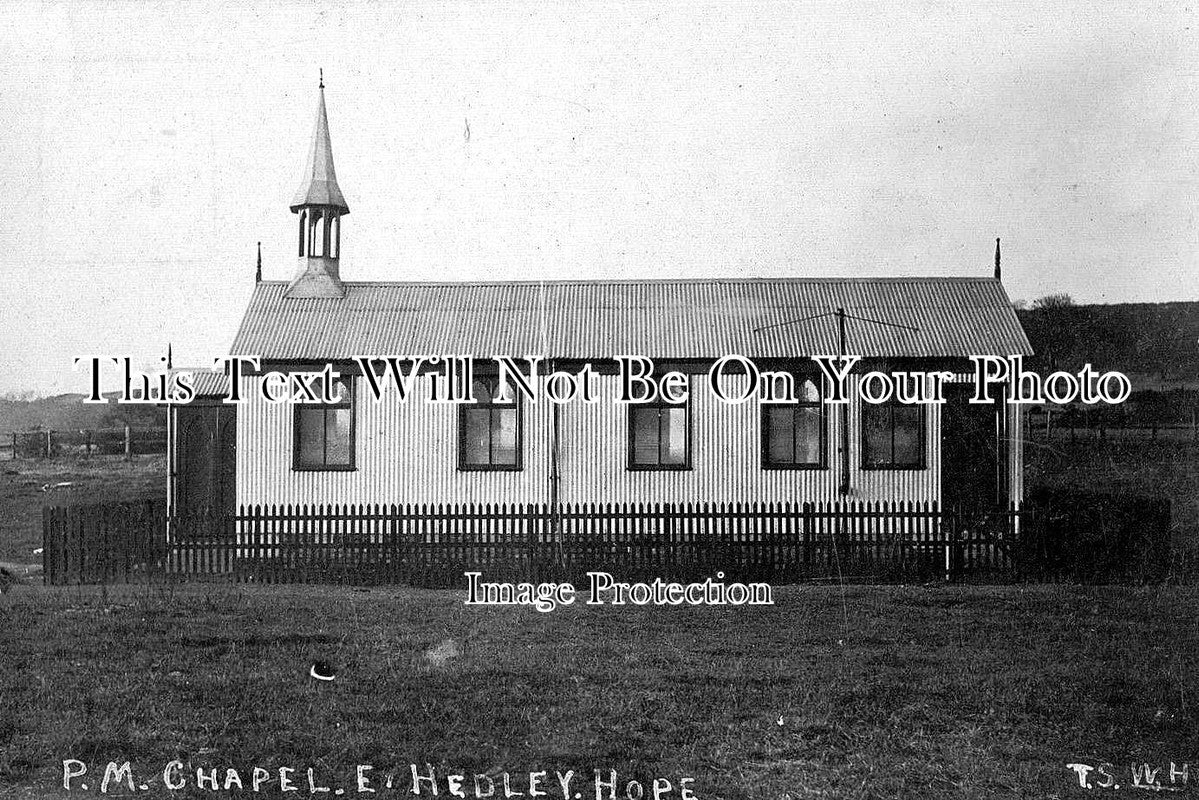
x,y
320,207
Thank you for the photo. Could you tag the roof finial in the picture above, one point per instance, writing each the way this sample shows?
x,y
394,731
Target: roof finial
x,y
322,71
170,358
258,272
998,271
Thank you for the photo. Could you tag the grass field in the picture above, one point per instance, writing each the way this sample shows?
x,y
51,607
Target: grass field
x,y
28,484
929,692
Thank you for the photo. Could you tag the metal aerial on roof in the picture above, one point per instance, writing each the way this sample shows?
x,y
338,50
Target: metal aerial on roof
x,y
319,187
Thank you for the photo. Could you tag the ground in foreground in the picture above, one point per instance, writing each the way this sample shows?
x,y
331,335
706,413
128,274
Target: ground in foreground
x,y
867,691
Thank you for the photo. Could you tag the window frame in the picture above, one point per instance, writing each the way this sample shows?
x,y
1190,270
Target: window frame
x,y
658,404
921,434
513,403
819,404
349,402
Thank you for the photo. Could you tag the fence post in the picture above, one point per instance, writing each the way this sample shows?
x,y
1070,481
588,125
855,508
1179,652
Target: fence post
x,y
47,561
953,518
530,537
1014,533
155,525
806,535
128,442
48,444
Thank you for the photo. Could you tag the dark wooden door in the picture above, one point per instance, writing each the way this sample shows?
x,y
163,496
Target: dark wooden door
x,y
193,468
206,462
225,468
971,451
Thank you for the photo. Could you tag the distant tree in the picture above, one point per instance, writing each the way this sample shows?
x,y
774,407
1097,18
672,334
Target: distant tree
x,y
1020,304
20,397
1146,341
1051,301
1056,322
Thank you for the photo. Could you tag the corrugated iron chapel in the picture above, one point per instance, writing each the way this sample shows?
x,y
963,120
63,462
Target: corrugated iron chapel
x,y
359,451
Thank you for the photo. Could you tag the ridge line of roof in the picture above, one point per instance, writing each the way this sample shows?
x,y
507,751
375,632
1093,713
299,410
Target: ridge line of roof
x,y
645,281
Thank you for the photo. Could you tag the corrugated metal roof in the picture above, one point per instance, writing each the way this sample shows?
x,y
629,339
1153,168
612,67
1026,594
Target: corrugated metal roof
x,y
700,318
206,382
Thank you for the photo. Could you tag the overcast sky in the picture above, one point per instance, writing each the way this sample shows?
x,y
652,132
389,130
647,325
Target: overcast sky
x,y
148,147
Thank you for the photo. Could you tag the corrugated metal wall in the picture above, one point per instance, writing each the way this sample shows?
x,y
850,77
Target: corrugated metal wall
x,y
407,453
726,460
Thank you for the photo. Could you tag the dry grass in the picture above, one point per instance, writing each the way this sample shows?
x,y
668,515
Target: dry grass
x,y
881,692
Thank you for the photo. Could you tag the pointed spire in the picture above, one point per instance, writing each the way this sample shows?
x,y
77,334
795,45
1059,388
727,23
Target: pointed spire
x,y
170,357
258,272
319,187
998,271
319,206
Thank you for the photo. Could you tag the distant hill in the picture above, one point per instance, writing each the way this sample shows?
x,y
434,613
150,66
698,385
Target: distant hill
x,y
1155,344
68,412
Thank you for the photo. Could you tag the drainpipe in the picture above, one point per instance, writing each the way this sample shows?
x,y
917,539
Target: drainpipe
x,y
844,406
555,474
170,452
555,477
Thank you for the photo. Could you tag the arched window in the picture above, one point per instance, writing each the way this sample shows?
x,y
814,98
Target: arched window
x,y
334,236
303,231
319,234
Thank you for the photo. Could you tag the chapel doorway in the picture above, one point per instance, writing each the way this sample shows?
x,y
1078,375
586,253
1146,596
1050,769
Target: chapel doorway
x,y
973,455
205,469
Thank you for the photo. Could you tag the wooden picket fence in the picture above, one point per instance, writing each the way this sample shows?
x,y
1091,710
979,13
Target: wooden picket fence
x,y
432,545
103,543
